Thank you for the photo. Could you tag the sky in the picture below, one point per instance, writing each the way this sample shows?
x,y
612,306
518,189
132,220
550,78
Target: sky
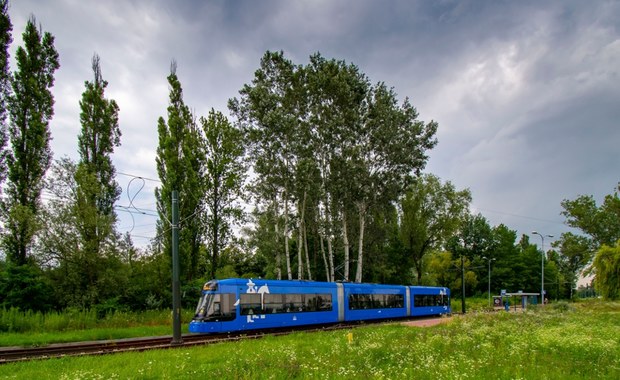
x,y
526,93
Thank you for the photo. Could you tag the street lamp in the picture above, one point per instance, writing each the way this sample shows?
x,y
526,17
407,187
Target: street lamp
x,y
542,265
485,258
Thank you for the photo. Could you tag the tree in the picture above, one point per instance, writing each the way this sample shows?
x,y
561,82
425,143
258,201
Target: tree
x,y
575,253
5,86
607,269
390,146
179,168
601,223
224,175
31,109
506,254
268,115
431,212
97,190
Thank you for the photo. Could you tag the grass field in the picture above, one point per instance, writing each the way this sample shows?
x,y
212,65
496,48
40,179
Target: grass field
x,y
19,328
565,341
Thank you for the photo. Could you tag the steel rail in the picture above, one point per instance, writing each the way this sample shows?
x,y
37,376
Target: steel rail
x,y
58,350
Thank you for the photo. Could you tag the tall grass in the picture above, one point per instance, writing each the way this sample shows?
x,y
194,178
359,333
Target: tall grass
x,y
580,341
17,321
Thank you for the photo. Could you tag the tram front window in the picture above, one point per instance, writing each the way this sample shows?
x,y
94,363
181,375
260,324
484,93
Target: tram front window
x,y
216,307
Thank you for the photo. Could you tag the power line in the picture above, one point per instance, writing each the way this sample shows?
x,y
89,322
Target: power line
x,y
138,176
519,216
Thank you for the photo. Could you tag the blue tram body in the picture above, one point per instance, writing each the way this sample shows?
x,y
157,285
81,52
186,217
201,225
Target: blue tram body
x,y
240,304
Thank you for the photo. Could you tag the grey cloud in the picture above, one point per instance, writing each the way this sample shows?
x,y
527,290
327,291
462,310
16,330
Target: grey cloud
x,y
525,93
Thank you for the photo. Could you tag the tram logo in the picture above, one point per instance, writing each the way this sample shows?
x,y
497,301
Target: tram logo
x,y
254,289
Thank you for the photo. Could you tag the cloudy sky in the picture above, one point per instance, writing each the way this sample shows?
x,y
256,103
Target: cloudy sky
x,y
526,93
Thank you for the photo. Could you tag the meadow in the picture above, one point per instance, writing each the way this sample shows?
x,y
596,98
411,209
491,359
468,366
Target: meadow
x,y
559,341
26,328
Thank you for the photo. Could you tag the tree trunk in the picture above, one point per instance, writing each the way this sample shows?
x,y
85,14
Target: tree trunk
x,y
286,251
328,279
277,231
307,254
345,239
300,259
330,251
360,255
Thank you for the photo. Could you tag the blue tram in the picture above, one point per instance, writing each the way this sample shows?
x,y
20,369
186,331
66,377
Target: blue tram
x,y
240,304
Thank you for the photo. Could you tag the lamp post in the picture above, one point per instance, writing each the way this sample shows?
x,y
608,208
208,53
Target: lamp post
x,y
463,282
542,266
489,259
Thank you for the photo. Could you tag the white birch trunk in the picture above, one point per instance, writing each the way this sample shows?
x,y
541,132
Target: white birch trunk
x,y
327,278
277,231
360,255
345,239
307,254
286,250
300,235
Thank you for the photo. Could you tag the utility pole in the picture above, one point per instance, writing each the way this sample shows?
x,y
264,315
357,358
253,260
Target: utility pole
x,y
176,286
463,282
542,266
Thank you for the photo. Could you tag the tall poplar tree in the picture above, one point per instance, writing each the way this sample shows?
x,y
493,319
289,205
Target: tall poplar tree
x,y
97,189
5,86
224,177
31,109
179,168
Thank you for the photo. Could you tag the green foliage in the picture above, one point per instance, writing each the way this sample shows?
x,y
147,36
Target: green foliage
x,y
601,223
30,109
607,269
96,189
179,166
431,213
224,175
26,288
5,40
575,253
322,138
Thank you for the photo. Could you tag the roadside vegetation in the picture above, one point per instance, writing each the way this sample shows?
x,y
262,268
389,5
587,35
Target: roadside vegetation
x,y
27,328
560,341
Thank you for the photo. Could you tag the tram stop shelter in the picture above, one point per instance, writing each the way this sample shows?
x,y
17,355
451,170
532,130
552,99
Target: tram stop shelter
x,y
516,300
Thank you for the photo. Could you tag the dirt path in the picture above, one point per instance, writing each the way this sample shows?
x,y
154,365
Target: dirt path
x,y
428,322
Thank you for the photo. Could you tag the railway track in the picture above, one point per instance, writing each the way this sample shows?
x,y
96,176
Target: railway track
x,y
17,354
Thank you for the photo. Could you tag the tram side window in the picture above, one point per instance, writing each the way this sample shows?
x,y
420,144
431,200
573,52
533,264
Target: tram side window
x,y
395,300
294,303
274,303
227,307
318,302
421,300
250,303
375,301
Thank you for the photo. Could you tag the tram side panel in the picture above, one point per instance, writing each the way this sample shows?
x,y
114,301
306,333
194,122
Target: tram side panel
x,y
271,304
429,301
369,301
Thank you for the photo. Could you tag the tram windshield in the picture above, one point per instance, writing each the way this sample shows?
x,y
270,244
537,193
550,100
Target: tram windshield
x,y
214,307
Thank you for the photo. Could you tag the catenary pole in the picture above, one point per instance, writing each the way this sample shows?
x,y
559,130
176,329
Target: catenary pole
x,y
176,286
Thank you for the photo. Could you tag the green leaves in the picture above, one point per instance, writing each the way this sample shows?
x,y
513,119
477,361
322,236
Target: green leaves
x,y
31,109
223,179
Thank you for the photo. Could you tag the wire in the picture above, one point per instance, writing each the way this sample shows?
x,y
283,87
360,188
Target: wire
x,y
137,176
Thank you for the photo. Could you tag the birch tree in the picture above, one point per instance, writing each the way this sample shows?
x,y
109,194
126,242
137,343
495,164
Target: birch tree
x,y
266,113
